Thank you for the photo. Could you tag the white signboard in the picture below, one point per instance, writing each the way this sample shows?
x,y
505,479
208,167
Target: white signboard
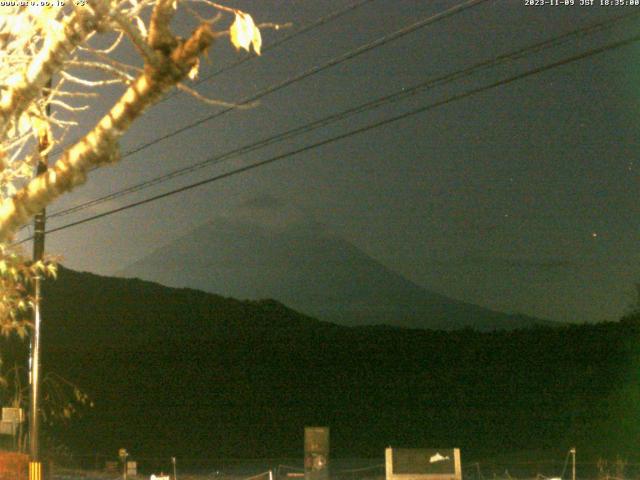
x,y
423,464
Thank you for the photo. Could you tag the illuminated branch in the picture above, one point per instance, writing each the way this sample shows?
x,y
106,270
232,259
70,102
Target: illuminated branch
x,y
26,86
37,43
99,146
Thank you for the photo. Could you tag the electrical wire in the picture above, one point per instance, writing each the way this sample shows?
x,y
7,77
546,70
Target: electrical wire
x,y
305,29
312,26
315,70
366,128
394,97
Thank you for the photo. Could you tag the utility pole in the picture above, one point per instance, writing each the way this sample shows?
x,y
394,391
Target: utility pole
x,y
38,252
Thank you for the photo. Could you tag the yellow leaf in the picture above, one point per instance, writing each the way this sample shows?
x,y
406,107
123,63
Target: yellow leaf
x,y
244,33
24,123
40,124
43,16
52,270
256,41
10,189
193,73
25,170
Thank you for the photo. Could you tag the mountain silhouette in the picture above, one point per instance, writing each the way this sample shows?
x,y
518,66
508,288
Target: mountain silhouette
x,y
267,250
180,372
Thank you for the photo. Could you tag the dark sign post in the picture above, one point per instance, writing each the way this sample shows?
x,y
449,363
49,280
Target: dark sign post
x,y
123,454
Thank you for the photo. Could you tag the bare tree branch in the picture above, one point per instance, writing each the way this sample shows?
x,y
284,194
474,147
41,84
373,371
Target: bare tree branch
x,y
26,86
99,146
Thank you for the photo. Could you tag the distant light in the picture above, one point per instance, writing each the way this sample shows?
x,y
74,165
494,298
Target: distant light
x,y
594,235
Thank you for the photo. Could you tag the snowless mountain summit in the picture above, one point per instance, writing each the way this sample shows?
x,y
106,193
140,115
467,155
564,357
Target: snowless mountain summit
x,y
264,249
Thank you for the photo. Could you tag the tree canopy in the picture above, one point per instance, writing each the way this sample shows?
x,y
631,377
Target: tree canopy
x,y
60,55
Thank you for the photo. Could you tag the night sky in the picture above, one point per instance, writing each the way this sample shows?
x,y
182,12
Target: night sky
x,y
523,198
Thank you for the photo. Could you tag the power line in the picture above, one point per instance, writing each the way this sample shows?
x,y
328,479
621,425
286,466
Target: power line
x,y
315,70
321,21
461,7
469,93
312,26
333,62
394,97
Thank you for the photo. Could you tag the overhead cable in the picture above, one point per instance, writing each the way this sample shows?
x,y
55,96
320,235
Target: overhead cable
x,y
376,103
366,128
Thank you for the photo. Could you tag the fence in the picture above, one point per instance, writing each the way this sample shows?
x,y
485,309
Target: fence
x,y
544,470
93,468
342,469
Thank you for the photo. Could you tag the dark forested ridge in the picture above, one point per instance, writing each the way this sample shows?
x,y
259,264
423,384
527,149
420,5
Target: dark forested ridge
x,y
181,372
